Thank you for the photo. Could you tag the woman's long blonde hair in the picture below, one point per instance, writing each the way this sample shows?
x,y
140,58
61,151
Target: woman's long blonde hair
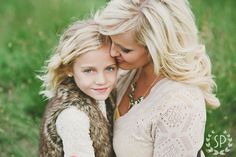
x,y
167,28
79,38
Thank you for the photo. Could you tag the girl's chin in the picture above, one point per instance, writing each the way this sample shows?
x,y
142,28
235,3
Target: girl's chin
x,y
100,97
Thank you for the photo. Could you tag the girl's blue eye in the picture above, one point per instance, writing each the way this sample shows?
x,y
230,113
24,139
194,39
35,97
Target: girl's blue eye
x,y
87,70
111,68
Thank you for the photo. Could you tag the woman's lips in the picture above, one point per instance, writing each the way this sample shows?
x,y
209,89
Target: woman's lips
x,y
119,60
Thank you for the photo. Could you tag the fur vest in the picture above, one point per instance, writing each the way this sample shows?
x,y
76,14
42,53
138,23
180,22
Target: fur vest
x,y
68,94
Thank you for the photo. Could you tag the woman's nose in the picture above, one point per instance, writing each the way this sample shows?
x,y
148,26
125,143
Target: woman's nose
x,y
114,52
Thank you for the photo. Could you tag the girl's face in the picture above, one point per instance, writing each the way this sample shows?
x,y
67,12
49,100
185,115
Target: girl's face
x,y
128,53
95,73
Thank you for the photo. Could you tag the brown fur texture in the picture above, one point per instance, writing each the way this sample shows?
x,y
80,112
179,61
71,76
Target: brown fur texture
x,y
68,94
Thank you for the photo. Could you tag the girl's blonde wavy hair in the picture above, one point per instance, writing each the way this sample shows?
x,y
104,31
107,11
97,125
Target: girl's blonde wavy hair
x,y
168,30
79,38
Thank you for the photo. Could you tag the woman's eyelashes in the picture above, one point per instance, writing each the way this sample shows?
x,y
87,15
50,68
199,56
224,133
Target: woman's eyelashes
x,y
125,50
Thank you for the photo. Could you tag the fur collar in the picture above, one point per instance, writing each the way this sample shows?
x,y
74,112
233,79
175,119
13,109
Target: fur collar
x,y
68,94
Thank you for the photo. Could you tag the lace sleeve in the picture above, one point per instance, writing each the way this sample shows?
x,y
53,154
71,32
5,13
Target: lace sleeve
x,y
73,127
179,130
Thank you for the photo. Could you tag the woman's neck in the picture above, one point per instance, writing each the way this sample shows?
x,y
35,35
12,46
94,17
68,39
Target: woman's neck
x,y
148,72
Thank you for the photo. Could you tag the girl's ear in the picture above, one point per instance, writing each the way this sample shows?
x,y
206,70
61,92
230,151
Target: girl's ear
x,y
69,72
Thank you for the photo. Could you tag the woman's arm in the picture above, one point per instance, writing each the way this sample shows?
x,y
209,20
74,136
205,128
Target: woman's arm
x,y
73,127
181,124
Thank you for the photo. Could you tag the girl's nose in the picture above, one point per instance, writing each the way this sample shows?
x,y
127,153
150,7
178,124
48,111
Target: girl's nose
x,y
101,78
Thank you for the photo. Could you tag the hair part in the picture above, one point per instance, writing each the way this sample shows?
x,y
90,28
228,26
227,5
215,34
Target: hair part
x,y
168,30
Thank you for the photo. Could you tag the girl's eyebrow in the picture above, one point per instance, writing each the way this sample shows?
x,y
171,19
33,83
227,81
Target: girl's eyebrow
x,y
112,64
87,66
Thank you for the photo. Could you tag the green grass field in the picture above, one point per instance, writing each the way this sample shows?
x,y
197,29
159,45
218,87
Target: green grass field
x,y
30,29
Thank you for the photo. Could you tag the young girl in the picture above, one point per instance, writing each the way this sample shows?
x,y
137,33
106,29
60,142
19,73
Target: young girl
x,y
79,77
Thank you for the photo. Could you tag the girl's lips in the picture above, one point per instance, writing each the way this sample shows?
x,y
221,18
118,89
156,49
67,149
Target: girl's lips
x,y
100,90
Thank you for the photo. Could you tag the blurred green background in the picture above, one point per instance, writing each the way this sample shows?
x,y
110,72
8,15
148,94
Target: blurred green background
x,y
29,30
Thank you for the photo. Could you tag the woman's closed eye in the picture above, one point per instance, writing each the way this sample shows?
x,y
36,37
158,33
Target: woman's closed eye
x,y
125,50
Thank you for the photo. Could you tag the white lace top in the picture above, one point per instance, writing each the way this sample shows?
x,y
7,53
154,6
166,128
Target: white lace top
x,y
169,122
73,127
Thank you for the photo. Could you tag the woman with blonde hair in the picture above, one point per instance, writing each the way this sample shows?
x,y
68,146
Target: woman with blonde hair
x,y
161,100
78,79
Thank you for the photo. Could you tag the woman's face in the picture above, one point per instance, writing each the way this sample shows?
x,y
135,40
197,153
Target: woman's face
x,y
127,52
95,73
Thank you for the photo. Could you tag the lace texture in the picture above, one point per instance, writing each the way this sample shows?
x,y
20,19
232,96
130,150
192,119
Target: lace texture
x,y
169,122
